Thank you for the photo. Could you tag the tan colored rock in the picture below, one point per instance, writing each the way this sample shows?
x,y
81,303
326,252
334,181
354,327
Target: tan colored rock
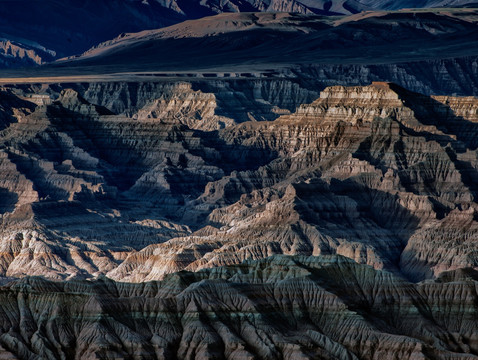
x,y
370,173
185,106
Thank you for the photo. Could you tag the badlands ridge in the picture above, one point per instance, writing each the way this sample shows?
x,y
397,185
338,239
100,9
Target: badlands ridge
x,y
233,219
134,182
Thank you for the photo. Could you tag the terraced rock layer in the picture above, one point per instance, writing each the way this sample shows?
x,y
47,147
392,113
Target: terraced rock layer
x,y
135,189
325,307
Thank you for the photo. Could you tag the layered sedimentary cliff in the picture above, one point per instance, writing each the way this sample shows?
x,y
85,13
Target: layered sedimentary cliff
x,y
364,172
438,76
136,181
326,307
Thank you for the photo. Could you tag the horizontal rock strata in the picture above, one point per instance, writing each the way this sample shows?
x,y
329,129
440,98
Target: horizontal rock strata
x,y
165,176
325,307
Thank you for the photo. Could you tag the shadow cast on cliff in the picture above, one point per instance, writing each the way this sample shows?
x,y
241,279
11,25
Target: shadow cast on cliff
x,y
127,149
429,111
385,224
461,135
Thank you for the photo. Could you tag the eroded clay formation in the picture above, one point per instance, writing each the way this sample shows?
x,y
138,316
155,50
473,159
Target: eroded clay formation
x,y
326,307
135,189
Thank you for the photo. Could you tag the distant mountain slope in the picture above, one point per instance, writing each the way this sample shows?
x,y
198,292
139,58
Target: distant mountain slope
x,y
72,26
263,40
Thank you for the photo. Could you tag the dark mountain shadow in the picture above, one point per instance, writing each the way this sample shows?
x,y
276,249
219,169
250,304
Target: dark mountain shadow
x,y
353,287
80,220
74,26
346,304
32,170
8,102
461,135
432,112
8,200
128,149
370,205
381,210
195,10
233,156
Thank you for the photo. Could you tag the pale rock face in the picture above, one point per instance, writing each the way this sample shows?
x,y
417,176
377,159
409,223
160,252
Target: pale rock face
x,y
185,106
136,188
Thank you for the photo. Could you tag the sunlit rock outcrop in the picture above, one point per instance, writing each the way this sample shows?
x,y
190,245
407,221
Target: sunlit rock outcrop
x,y
137,190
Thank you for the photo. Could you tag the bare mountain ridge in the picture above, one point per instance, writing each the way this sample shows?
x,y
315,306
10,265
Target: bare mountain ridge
x,y
71,27
310,50
289,39
180,181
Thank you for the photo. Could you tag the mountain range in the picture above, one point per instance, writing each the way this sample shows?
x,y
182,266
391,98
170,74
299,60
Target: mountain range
x,y
280,308
238,180
236,218
265,40
52,29
427,51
